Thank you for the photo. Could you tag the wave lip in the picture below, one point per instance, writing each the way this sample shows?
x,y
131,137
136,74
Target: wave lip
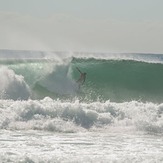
x,y
29,54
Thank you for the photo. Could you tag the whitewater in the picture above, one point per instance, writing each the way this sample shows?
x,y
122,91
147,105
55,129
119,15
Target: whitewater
x,y
115,116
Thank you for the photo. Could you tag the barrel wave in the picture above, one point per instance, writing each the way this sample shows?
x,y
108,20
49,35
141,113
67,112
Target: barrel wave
x,y
117,80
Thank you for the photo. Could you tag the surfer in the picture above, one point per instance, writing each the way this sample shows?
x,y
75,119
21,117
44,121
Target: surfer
x,y
82,78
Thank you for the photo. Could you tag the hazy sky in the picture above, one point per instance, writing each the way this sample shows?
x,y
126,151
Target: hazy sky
x,y
89,25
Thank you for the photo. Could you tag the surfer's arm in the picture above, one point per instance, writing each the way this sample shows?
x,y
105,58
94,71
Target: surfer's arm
x,y
78,70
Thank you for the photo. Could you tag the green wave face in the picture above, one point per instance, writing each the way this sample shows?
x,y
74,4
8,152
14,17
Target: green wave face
x,y
115,80
122,80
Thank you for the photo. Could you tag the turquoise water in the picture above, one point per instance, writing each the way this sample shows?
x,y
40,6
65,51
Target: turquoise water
x,y
107,79
122,80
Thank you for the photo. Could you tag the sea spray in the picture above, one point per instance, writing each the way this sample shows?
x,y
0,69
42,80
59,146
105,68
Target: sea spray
x,y
12,85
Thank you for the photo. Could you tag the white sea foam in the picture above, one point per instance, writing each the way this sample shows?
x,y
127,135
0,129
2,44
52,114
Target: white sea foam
x,y
36,146
12,85
58,116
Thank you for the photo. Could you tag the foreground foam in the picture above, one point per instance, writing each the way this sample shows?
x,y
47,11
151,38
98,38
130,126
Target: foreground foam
x,y
59,116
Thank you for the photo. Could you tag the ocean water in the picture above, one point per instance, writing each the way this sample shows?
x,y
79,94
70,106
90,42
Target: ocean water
x,y
116,116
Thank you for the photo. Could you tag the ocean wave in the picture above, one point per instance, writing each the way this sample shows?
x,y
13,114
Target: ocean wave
x,y
115,80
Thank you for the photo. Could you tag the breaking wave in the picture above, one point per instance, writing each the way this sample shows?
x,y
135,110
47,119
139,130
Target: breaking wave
x,y
117,80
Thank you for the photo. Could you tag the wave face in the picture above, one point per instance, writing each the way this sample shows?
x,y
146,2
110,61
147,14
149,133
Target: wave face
x,y
122,80
117,80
